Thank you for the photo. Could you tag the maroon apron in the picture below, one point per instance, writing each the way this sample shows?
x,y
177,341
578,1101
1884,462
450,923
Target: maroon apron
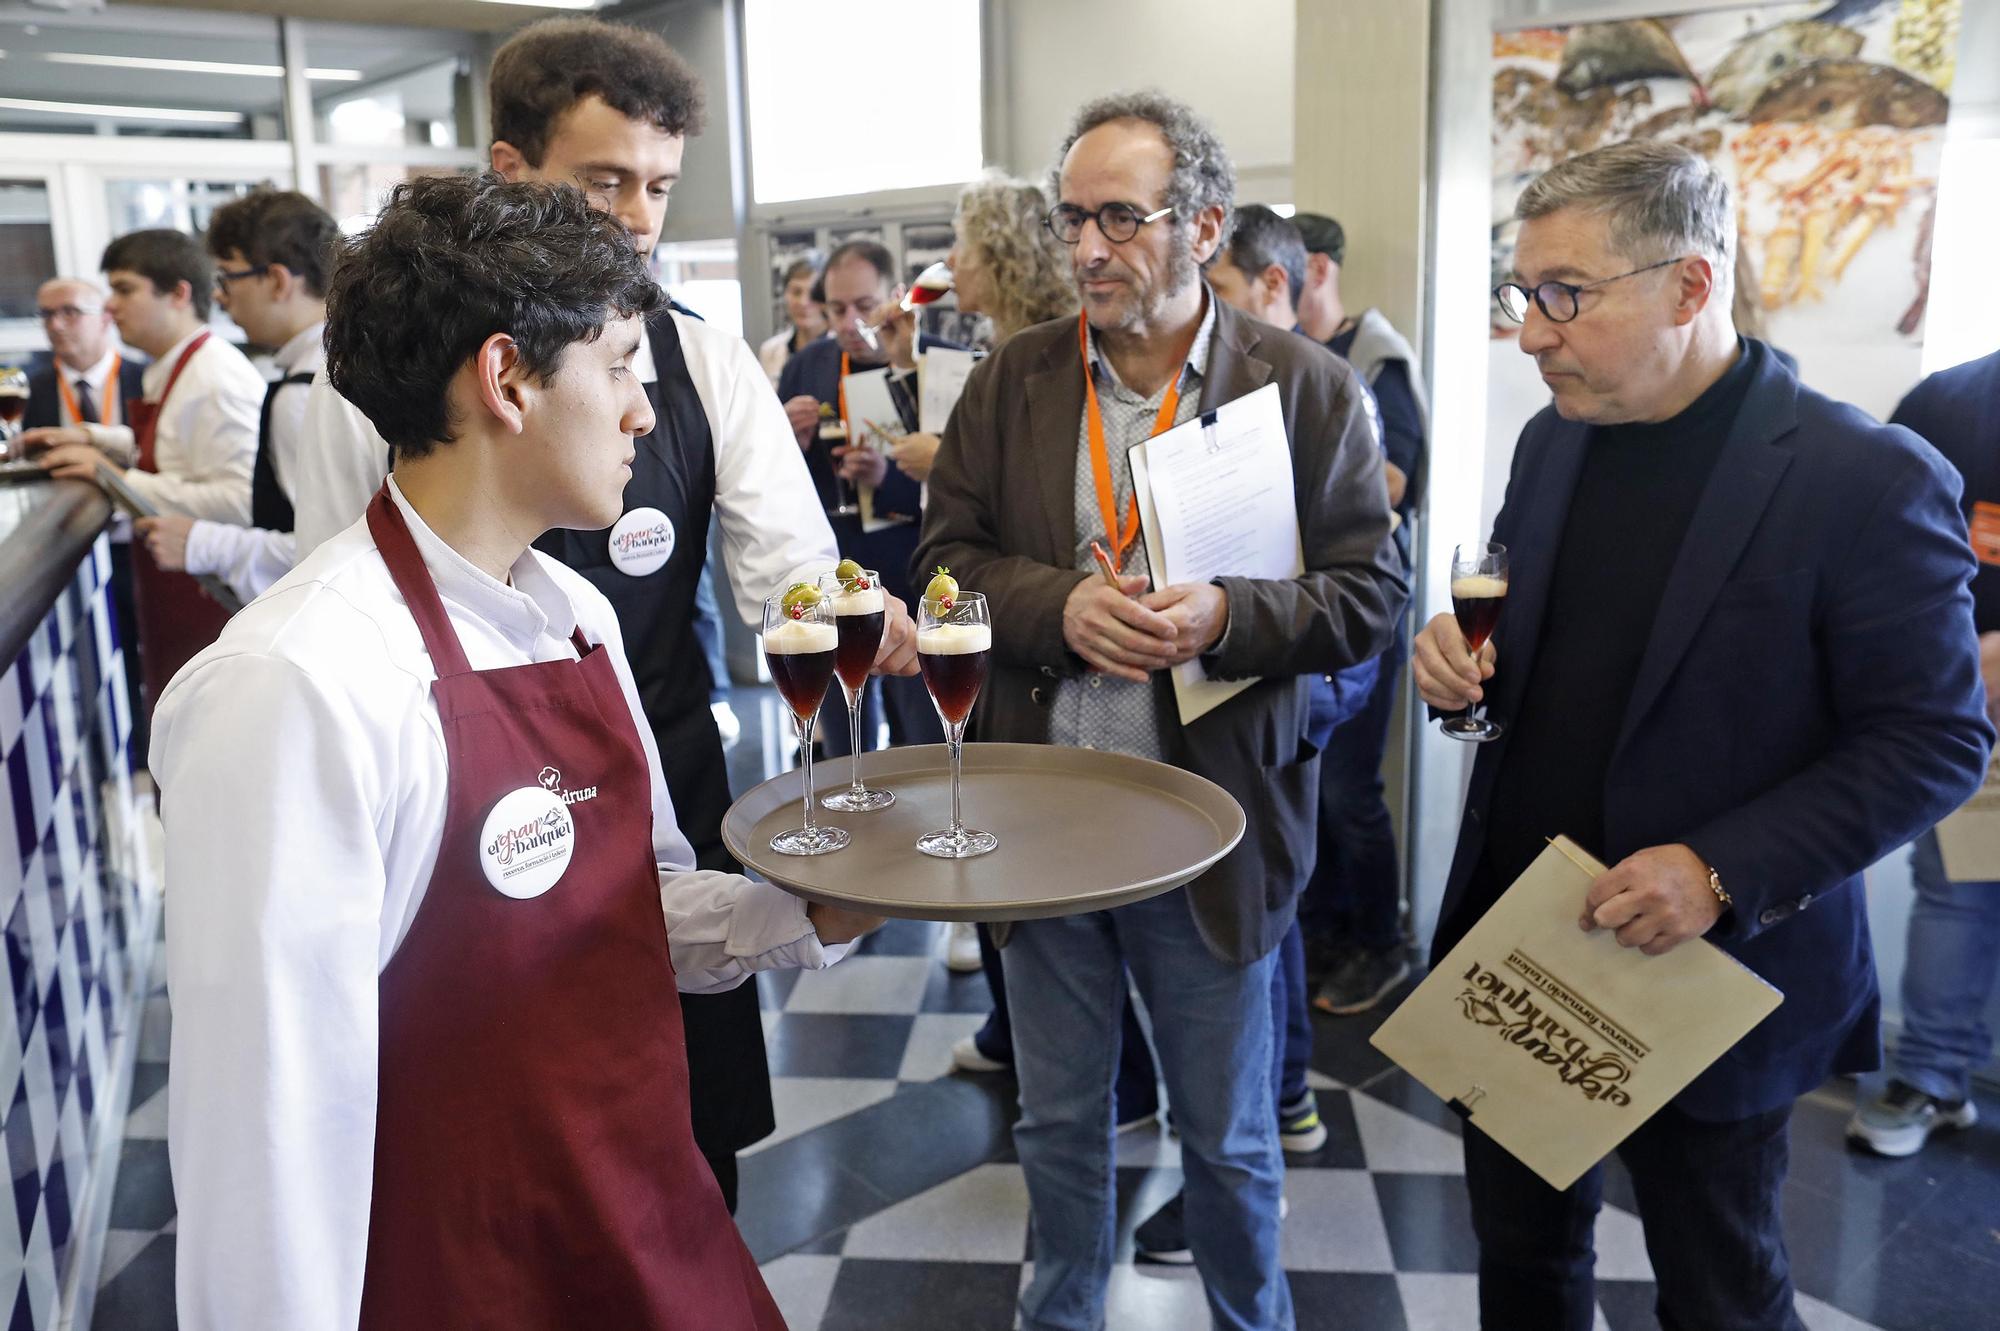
x,y
176,617
534,1163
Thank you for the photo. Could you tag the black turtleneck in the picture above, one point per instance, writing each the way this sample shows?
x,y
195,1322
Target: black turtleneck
x,y
1634,499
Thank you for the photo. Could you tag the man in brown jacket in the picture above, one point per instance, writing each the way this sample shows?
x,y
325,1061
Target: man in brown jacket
x,y
1017,497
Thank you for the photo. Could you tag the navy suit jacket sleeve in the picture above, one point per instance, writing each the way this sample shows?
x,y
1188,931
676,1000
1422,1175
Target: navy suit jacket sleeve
x,y
1902,666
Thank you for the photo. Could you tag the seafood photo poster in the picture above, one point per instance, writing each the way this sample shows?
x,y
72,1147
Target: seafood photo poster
x,y
1826,118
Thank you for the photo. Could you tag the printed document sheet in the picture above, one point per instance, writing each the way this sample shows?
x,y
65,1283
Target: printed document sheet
x,y
1216,500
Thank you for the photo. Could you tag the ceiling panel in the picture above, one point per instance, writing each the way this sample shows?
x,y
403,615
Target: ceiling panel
x,y
467,15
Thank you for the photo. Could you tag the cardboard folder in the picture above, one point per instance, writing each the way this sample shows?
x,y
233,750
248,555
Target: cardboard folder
x,y
1558,1043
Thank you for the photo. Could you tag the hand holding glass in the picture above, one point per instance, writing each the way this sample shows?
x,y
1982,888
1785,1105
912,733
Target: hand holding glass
x,y
1478,593
954,641
801,641
858,611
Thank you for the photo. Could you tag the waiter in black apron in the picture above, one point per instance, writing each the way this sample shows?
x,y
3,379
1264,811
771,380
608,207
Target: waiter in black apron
x,y
608,108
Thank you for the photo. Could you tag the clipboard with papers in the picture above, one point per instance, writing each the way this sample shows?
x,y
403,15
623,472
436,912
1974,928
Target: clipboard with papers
x,y
872,416
1558,1043
1216,499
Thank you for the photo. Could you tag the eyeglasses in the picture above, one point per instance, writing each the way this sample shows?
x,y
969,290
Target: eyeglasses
x,y
1118,221
224,277
49,316
1558,300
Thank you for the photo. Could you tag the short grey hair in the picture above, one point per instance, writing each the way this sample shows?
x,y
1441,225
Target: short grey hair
x,y
1203,176
1661,200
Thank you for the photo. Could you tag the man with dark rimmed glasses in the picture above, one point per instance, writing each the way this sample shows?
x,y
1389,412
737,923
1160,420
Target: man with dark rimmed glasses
x,y
1738,665
1034,468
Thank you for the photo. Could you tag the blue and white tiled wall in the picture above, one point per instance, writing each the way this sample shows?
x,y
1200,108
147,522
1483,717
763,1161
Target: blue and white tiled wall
x,y
78,904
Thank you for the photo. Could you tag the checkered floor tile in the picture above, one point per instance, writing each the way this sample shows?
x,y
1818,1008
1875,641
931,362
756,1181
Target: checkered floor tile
x,y
889,1199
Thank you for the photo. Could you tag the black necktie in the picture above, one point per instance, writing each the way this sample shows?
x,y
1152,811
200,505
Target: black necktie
x,y
86,405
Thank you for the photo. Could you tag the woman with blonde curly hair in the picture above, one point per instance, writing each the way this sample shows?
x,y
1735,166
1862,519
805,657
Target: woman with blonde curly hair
x,y
1006,266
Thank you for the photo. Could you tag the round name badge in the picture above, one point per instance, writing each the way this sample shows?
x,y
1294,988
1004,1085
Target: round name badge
x,y
641,542
527,842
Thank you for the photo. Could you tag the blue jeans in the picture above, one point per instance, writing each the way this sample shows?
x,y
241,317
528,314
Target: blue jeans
x,y
708,632
1137,1090
1948,977
1708,1196
1212,1028
1353,895
1291,1051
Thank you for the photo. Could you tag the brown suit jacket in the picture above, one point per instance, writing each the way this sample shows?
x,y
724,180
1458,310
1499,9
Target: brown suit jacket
x,y
1002,515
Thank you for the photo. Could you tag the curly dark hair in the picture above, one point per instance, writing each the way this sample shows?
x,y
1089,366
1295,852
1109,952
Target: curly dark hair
x,y
277,226
453,260
166,258
550,66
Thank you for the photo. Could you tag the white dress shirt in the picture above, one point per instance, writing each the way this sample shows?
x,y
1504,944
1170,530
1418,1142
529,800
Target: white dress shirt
x,y
250,559
205,445
303,777
104,391
774,531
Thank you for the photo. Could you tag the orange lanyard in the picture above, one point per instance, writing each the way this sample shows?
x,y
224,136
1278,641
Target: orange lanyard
x,y
844,422
103,408
1121,538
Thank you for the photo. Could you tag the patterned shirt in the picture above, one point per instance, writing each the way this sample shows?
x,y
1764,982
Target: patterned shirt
x,y
1097,711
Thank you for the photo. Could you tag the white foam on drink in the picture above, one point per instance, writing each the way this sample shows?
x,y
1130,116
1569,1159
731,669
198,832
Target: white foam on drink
x,y
955,639
867,602
796,636
1480,585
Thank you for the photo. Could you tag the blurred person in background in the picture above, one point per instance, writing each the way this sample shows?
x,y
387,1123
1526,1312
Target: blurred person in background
x,y
88,380
1953,958
1356,949
187,447
804,321
271,250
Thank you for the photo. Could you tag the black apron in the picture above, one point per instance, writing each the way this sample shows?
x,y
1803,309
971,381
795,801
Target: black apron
x,y
270,506
673,471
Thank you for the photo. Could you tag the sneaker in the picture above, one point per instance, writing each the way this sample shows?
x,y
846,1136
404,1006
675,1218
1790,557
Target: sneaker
x,y
1163,1236
1363,980
961,952
965,1056
1300,1131
1145,1120
726,723
1324,956
1902,1118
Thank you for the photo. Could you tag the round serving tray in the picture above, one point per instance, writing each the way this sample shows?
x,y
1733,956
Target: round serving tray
x,y
1080,830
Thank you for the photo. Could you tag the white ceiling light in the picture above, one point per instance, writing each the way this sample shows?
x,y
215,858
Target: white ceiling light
x,y
122,112
548,4
195,66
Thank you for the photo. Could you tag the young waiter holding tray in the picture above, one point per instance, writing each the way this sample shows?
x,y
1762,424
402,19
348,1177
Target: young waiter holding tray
x,y
431,903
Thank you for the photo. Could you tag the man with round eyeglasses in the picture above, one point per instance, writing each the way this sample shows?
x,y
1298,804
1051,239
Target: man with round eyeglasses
x,y
1738,665
1033,470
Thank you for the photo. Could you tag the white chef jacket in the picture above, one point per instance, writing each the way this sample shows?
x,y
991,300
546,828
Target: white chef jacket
x,y
774,532
250,559
303,777
205,445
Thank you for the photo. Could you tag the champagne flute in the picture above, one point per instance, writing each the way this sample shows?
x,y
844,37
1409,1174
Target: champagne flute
x,y
1478,594
832,435
800,642
856,596
954,640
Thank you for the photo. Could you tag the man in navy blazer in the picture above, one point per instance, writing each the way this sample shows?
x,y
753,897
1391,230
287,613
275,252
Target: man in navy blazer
x,y
861,287
1738,664
85,356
